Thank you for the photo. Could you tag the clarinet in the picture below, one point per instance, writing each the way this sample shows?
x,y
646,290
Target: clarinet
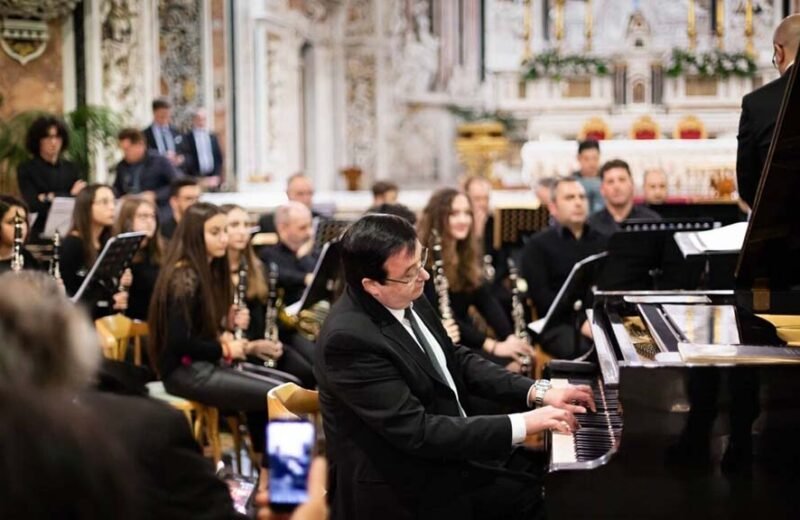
x,y
240,295
17,260
518,316
271,314
440,279
55,262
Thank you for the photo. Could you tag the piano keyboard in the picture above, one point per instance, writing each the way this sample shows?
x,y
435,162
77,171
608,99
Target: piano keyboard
x,y
599,433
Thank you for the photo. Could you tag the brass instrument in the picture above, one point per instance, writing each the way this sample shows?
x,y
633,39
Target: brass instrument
x,y
17,260
518,315
271,314
440,279
240,296
55,261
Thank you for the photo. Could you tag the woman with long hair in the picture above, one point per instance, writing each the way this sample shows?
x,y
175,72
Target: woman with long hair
x,y
10,208
140,214
239,248
191,321
92,218
47,174
449,214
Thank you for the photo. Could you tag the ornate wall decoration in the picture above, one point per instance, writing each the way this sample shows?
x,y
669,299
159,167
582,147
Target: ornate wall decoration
x,y
38,9
359,18
180,44
361,123
121,54
24,33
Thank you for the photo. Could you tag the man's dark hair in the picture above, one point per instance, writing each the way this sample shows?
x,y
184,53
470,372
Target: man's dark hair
x,y
383,187
614,163
369,242
160,103
589,144
39,130
177,185
134,135
399,210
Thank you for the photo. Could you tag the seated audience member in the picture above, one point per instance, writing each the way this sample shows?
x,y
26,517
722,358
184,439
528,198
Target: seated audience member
x,y
655,186
449,214
10,209
400,210
293,222
402,440
47,175
384,192
183,193
142,171
162,137
92,218
548,259
288,357
50,345
589,162
203,154
139,214
617,190
192,319
299,188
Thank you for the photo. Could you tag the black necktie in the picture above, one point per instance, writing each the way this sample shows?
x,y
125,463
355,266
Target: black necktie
x,y
423,343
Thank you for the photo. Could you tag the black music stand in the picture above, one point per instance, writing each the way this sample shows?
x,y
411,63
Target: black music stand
x,y
323,286
112,261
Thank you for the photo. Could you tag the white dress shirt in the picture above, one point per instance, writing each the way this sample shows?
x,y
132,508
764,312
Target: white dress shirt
x,y
205,158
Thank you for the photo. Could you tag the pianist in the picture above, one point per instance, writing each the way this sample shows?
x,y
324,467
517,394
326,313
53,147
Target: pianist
x,y
547,260
395,397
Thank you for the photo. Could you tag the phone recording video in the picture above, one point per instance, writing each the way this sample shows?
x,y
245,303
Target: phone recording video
x,y
289,447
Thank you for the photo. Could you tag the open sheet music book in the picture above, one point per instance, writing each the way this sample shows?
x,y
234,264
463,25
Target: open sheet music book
x,y
726,239
738,354
575,278
60,217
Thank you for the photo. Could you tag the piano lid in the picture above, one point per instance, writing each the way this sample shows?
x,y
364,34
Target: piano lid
x,y
770,255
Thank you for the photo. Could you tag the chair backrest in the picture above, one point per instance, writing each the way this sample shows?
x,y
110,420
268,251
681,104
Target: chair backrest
x,y
594,128
116,332
645,128
512,224
690,127
291,401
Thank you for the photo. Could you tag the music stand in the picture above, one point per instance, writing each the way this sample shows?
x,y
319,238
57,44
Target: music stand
x,y
323,284
576,283
112,261
326,230
59,218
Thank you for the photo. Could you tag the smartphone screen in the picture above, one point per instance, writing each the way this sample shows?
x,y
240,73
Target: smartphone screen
x,y
289,447
241,489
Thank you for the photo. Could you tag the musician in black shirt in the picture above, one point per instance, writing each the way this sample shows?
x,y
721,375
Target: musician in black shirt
x,y
47,175
617,189
10,207
548,259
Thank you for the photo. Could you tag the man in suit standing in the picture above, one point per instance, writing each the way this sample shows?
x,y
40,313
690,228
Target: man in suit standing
x,y
760,110
395,397
203,158
162,136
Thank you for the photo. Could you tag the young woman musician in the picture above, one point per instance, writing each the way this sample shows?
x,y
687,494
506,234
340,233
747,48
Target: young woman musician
x,y
241,255
449,214
192,320
14,220
92,218
139,214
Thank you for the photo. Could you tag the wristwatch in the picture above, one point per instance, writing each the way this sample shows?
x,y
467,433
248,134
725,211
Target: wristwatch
x,y
541,387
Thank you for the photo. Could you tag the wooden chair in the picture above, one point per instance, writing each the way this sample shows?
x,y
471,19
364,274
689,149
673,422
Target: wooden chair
x,y
690,127
645,128
116,333
594,128
290,401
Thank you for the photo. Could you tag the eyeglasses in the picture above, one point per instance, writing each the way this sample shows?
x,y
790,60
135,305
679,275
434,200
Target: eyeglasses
x,y
414,274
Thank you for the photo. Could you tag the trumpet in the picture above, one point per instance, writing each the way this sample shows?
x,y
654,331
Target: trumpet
x,y
440,279
240,295
17,260
518,315
55,262
271,313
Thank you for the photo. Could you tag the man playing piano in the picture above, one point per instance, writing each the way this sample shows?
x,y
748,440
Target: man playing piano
x,y
395,397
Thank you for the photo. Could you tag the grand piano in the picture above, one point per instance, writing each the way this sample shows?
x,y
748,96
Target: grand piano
x,y
698,392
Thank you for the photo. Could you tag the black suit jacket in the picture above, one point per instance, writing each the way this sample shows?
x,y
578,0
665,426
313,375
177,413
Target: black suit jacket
x,y
756,126
157,174
150,136
191,165
397,446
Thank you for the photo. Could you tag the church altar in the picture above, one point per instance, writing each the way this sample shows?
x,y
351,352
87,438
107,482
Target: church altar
x,y
690,165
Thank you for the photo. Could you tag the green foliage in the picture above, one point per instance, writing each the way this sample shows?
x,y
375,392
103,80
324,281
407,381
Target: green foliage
x,y
711,64
90,129
553,65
